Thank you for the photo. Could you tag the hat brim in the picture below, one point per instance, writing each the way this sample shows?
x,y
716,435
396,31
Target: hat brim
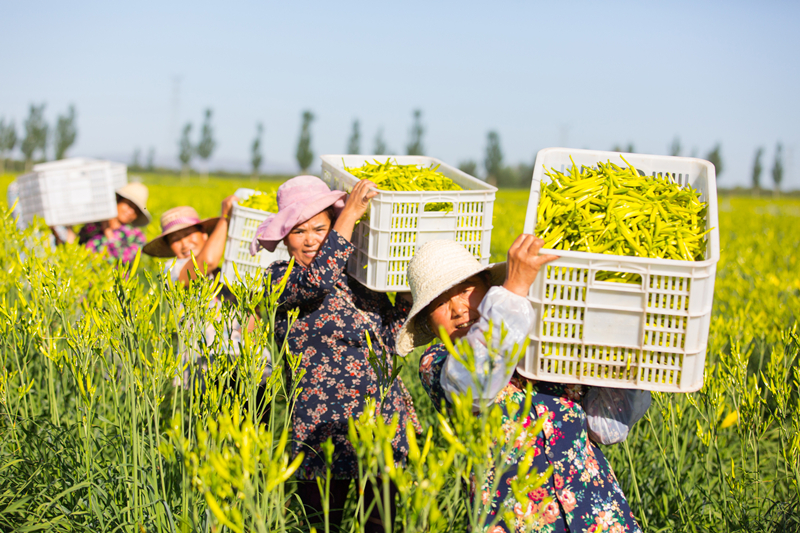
x,y
412,335
276,227
159,247
143,218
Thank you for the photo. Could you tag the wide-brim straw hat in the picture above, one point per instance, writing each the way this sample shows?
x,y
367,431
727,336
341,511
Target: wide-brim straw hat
x,y
173,220
437,267
299,199
137,194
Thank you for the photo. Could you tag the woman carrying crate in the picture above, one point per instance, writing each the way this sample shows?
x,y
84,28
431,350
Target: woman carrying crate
x,y
336,315
455,294
184,234
119,237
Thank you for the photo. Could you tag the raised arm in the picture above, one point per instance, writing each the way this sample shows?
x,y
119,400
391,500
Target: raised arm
x,y
508,310
317,279
213,251
511,317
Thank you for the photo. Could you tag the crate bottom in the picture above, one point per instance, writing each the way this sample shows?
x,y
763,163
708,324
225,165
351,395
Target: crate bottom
x,y
618,367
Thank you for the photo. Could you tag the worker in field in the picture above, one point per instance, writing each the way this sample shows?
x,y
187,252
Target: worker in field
x,y
488,308
184,235
336,315
119,238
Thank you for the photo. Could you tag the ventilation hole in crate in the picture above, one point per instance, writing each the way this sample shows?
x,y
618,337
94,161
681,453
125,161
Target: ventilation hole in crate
x,y
560,366
404,215
669,292
402,245
470,215
471,240
561,350
608,362
665,331
563,322
662,368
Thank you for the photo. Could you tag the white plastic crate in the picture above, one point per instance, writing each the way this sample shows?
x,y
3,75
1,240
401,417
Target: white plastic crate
x,y
649,336
71,191
241,230
397,223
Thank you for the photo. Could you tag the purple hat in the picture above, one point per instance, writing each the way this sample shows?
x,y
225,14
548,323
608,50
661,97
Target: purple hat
x,y
299,199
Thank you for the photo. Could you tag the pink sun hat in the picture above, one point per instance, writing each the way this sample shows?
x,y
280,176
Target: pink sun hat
x,y
299,199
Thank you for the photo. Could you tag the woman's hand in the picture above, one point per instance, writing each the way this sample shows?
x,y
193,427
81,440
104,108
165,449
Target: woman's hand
x,y
524,263
358,200
354,208
227,205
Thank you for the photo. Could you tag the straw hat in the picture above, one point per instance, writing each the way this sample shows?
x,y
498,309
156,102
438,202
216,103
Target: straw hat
x,y
299,199
437,267
173,220
137,194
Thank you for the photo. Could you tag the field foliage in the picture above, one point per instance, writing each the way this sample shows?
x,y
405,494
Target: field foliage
x,y
101,429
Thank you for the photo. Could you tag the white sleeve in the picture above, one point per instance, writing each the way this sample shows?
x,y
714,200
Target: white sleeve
x,y
610,413
173,267
507,311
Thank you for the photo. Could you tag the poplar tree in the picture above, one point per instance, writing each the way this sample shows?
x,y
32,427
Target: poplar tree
x,y
36,132
777,168
207,143
675,147
380,144
469,167
305,154
185,149
8,140
354,142
493,163
255,151
136,163
757,169
66,133
415,146
715,158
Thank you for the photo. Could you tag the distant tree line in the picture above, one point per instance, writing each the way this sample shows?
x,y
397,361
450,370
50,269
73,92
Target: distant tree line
x,y
37,136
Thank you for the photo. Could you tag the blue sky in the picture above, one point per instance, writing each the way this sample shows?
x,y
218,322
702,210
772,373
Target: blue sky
x,y
580,74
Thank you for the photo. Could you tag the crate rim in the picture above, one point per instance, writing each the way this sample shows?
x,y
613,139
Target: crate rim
x,y
713,236
482,186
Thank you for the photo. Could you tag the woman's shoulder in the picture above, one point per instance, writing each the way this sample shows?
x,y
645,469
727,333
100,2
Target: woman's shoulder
x,y
430,373
431,362
88,231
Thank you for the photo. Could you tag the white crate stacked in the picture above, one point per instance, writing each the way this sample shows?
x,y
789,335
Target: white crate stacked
x,y
71,191
241,230
398,224
651,335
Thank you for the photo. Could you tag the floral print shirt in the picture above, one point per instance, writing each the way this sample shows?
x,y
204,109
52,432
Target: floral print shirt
x,y
123,245
336,313
582,494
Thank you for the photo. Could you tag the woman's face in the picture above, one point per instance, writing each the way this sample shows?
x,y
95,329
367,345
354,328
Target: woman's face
x,y
305,239
187,241
456,310
126,211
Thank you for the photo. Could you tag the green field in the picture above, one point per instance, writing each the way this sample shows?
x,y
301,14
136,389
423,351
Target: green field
x,y
94,436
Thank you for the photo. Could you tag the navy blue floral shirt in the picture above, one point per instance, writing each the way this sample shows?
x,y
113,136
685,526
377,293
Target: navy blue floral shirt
x,y
336,312
582,494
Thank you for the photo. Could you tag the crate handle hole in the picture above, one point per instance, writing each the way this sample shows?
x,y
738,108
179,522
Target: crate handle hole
x,y
610,276
441,207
